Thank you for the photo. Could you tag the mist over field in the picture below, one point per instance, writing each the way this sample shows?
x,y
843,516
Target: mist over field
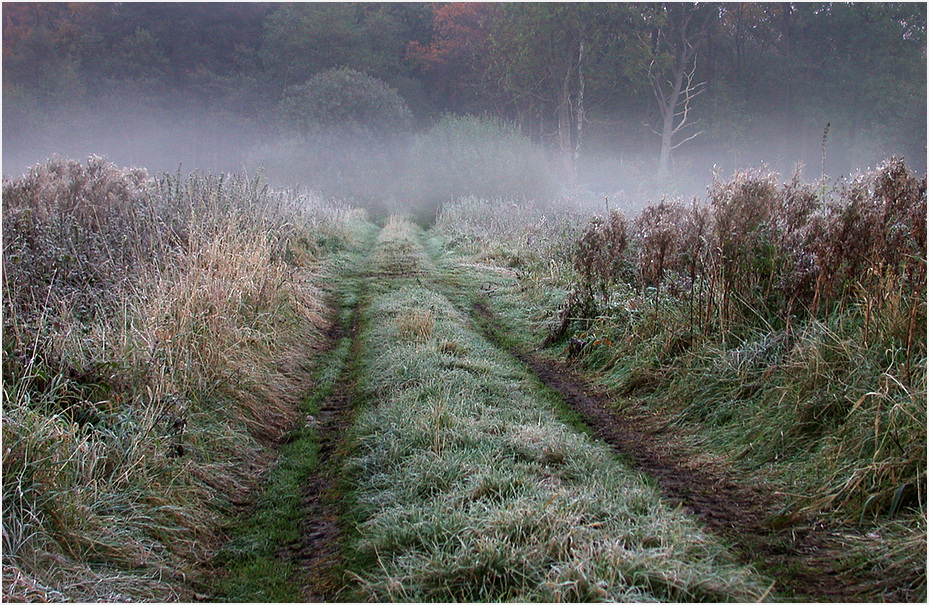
x,y
340,164
159,141
632,101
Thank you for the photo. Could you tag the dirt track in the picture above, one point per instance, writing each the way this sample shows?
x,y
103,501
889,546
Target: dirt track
x,y
318,554
796,551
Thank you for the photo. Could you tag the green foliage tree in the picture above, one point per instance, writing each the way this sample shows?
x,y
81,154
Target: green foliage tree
x,y
452,62
866,70
348,100
780,72
301,40
544,56
573,76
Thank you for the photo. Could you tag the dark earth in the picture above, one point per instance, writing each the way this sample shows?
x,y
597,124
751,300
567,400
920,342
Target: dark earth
x,y
318,555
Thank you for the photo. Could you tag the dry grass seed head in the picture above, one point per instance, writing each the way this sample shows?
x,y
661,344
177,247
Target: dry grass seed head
x,y
599,253
416,324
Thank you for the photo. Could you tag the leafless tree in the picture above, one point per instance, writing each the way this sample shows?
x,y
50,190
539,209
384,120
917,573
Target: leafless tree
x,y
675,44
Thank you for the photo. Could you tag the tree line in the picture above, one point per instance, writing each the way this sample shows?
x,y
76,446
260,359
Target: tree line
x,y
671,86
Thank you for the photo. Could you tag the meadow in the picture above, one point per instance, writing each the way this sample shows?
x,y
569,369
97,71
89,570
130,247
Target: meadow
x,y
170,343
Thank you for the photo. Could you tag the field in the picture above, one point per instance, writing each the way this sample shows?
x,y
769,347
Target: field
x,y
217,391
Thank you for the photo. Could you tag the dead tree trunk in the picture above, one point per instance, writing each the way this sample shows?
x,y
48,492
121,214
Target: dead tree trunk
x,y
564,115
672,74
581,118
675,97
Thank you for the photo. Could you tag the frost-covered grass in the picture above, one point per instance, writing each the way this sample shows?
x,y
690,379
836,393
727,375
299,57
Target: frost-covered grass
x,y
782,324
468,488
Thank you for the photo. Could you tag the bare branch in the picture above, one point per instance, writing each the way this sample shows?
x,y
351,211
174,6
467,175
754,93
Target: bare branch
x,y
691,137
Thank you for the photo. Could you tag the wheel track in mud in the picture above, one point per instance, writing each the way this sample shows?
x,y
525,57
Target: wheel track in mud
x,y
798,551
318,555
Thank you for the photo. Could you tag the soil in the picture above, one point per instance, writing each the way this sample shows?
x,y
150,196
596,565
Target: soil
x,y
797,551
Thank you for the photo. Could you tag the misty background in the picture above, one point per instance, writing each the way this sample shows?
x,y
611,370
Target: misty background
x,y
409,105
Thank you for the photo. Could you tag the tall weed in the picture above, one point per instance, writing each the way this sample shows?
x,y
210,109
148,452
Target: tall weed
x,y
156,333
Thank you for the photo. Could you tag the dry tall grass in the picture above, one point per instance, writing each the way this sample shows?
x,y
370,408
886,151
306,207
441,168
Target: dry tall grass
x,y
801,318
156,338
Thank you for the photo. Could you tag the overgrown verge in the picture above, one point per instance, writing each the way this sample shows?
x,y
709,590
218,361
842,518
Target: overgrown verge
x,y
782,325
157,338
466,487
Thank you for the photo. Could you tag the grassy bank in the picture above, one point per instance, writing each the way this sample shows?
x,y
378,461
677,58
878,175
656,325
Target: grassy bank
x,y
467,488
158,336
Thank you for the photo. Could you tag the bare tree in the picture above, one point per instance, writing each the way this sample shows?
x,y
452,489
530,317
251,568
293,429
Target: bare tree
x,y
674,46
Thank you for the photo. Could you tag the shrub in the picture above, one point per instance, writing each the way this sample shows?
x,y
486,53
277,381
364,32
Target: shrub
x,y
658,232
743,238
72,234
824,294
346,100
342,133
599,262
876,227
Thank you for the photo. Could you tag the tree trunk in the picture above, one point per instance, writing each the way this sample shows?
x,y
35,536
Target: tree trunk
x,y
581,118
667,127
677,44
565,130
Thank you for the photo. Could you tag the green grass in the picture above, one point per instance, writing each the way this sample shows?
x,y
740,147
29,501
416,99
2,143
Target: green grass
x,y
150,318
467,486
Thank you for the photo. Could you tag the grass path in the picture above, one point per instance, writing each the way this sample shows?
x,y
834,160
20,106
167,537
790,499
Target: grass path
x,y
436,465
467,485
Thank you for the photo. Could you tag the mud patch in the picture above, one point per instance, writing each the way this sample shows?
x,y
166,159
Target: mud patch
x,y
318,554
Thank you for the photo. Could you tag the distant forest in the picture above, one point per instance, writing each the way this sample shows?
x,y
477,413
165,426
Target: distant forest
x,y
665,88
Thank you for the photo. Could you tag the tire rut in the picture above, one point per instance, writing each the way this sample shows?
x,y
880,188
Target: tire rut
x,y
318,554
798,550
